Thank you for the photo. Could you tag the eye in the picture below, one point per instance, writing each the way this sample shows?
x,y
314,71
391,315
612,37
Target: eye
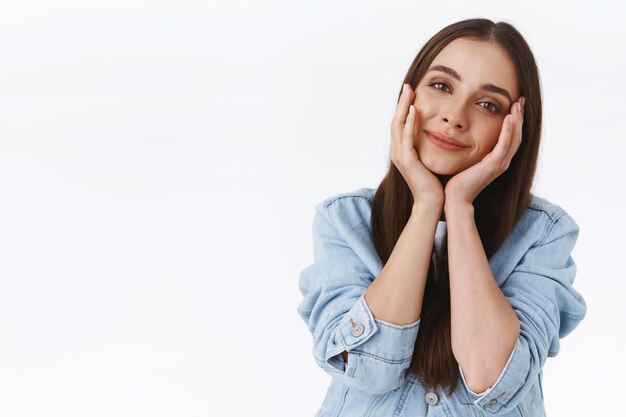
x,y
442,88
490,106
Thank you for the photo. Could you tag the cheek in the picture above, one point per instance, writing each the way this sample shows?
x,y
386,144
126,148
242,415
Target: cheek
x,y
426,106
487,137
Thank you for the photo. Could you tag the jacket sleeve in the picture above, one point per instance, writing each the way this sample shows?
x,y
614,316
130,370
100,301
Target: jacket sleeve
x,y
339,319
540,292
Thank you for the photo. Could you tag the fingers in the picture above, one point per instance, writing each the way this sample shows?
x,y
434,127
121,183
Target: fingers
x,y
408,133
400,116
522,101
518,120
499,151
510,137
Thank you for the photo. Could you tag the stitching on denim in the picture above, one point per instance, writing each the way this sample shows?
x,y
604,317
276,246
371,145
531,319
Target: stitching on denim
x,y
554,213
402,400
331,216
547,233
380,358
542,209
349,195
376,400
332,199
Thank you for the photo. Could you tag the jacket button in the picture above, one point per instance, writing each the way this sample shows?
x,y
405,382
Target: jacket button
x,y
358,330
431,398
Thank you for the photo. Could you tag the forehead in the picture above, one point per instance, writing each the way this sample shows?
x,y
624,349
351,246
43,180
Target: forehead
x,y
479,62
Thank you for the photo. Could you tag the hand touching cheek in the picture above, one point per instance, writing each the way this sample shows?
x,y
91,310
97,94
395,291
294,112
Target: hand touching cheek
x,y
466,185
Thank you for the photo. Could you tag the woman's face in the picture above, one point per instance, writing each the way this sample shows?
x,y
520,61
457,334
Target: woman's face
x,y
465,94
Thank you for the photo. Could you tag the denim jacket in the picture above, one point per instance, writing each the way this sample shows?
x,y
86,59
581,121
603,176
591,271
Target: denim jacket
x,y
533,268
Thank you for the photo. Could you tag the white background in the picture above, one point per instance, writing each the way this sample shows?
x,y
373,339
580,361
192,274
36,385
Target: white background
x,y
159,164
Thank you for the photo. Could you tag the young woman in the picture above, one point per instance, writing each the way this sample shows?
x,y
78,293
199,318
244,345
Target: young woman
x,y
443,291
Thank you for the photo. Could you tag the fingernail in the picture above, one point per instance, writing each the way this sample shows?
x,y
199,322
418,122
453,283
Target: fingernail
x,y
523,100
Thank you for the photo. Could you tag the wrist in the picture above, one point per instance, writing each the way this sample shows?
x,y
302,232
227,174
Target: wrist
x,y
457,206
427,207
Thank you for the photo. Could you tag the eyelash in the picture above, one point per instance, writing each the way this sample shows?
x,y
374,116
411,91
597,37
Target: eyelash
x,y
495,109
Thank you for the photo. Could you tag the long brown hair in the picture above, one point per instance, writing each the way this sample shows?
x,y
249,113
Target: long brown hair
x,y
496,209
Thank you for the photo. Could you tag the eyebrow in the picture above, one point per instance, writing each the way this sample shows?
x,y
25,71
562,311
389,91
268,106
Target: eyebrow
x,y
487,87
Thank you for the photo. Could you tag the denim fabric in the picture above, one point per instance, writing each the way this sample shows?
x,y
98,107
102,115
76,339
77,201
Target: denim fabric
x,y
533,268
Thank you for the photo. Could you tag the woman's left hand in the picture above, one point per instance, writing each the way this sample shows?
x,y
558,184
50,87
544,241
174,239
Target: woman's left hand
x,y
466,185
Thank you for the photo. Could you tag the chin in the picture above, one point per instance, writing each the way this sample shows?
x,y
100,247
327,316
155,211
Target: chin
x,y
441,167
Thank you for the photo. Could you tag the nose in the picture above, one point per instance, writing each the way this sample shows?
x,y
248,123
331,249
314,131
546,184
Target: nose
x,y
454,122
455,117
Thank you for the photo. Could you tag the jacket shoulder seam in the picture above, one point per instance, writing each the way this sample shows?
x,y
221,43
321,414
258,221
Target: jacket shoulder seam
x,y
553,211
351,194
549,228
332,200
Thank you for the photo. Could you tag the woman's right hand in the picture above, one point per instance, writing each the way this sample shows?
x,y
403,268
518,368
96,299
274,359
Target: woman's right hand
x,y
424,185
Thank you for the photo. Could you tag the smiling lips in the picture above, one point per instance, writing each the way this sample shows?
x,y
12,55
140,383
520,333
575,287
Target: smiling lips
x,y
445,142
